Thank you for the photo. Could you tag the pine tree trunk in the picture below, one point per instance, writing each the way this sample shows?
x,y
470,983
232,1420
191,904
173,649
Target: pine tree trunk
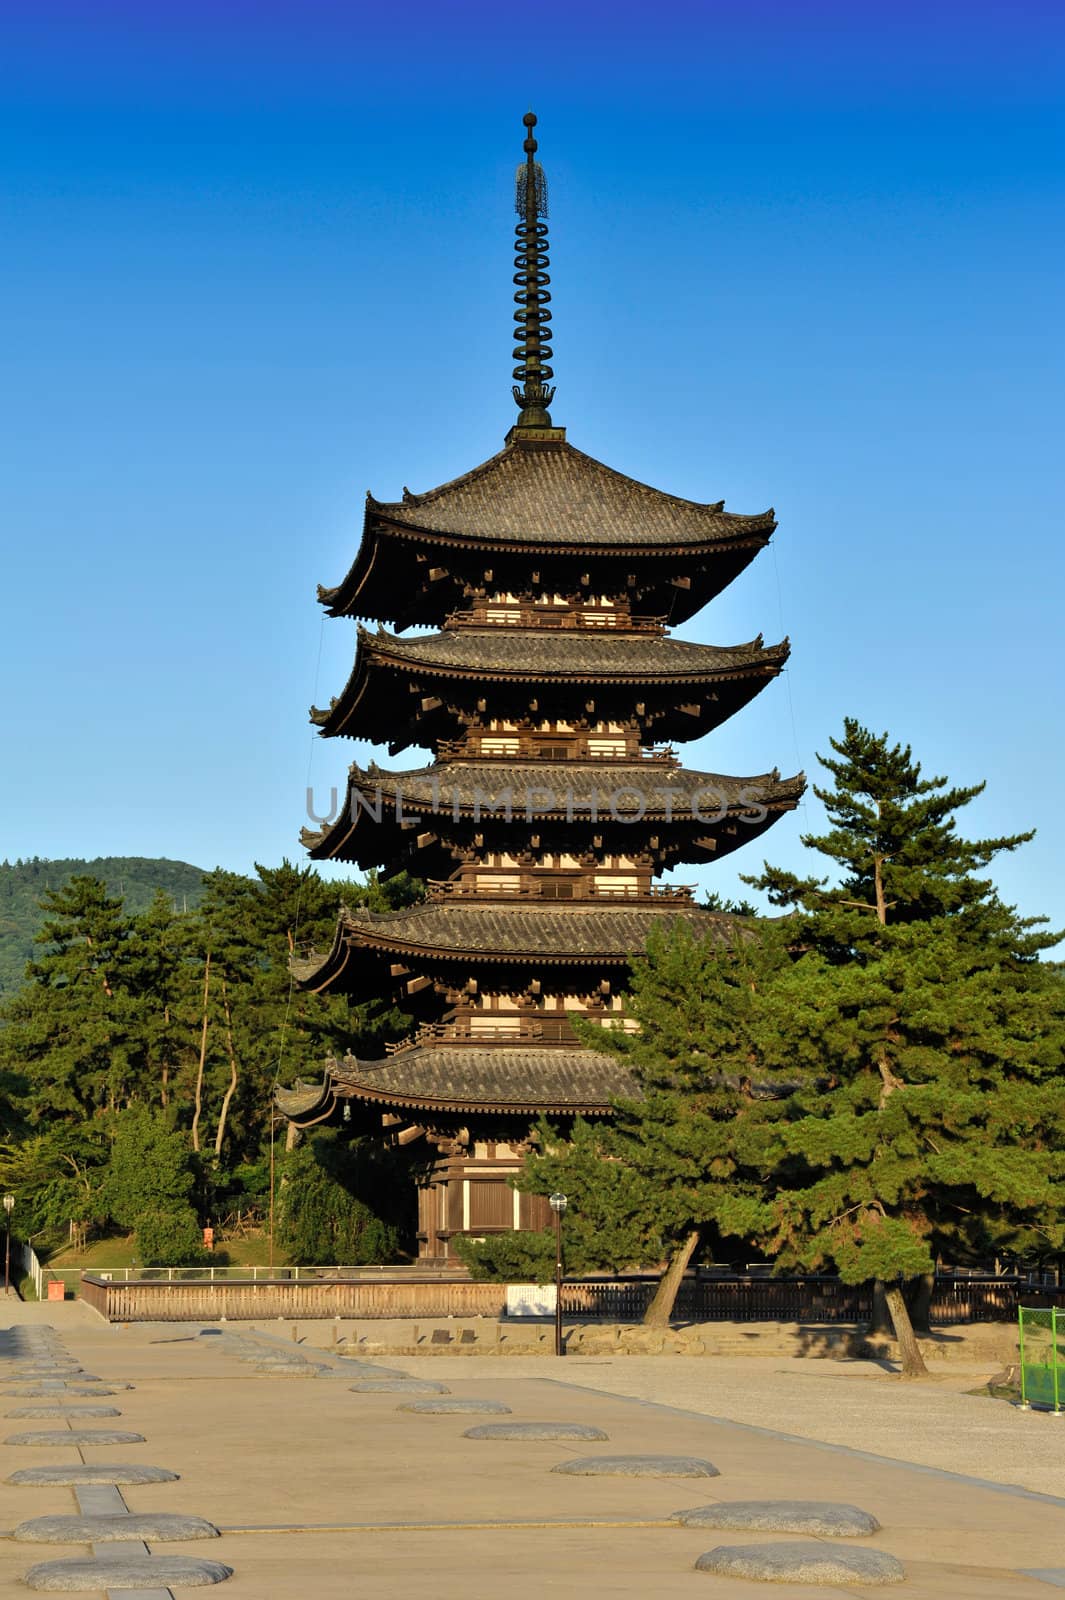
x,y
881,1319
231,1091
660,1310
203,1057
164,1095
919,1293
912,1360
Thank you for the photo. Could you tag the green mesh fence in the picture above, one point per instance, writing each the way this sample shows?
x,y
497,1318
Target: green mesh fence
x,y
1042,1342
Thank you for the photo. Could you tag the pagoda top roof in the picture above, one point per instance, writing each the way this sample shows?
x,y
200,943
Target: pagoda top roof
x,y
549,493
510,1078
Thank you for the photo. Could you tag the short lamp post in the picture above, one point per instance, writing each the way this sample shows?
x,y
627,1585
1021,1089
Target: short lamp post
x,y
558,1204
9,1206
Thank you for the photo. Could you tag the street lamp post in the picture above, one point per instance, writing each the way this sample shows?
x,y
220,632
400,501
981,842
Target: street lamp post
x,y
9,1206
558,1204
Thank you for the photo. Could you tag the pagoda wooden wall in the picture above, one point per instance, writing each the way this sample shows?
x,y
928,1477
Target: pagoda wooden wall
x,y
472,1195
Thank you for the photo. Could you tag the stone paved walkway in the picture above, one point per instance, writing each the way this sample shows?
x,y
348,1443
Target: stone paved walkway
x,y
317,1489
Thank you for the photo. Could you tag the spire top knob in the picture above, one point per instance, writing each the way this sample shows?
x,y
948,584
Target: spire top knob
x,y
533,390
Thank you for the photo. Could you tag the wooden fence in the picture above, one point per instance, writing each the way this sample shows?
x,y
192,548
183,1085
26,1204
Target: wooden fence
x,y
701,1299
246,1300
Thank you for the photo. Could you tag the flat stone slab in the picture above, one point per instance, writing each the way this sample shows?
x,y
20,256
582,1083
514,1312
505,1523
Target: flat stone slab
x,y
94,1391
293,1369
446,1408
63,1411
147,1572
794,1561
827,1518
638,1467
400,1386
535,1430
365,1369
370,1372
57,1375
53,1388
100,1500
46,1369
149,1526
75,1436
69,1476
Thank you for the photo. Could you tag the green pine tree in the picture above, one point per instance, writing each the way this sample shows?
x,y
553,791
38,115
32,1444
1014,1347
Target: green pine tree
x,y
70,1031
651,1186
928,1038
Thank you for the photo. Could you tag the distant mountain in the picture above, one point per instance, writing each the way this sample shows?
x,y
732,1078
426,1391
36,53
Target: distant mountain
x,y
135,878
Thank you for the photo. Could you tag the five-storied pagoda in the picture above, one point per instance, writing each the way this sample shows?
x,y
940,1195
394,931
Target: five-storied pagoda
x,y
548,698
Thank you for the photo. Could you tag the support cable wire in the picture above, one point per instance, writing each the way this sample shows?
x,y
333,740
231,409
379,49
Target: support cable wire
x,y
291,979
800,764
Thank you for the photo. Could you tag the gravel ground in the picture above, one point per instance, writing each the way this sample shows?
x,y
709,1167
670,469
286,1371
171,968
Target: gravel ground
x,y
857,1404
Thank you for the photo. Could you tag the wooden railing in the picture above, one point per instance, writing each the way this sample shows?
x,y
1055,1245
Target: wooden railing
x,y
462,889
541,1030
526,614
701,1299
530,748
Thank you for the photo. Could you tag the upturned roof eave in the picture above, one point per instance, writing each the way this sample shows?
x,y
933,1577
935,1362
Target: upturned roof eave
x,y
775,793
371,657
352,1078
581,461
760,527
368,933
751,653
712,528
529,1107
340,599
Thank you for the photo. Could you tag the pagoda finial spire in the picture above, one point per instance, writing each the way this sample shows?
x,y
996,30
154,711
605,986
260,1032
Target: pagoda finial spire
x,y
532,319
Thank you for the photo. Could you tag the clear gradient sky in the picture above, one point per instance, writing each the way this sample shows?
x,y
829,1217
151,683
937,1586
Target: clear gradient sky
x,y
257,259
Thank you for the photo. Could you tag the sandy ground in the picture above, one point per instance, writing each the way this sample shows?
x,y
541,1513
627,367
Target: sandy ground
x,y
318,1490
853,1404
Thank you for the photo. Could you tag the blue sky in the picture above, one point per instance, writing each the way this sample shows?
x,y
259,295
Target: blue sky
x,y
258,260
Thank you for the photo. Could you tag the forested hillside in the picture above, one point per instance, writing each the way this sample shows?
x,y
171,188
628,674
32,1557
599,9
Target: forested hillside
x,y
135,880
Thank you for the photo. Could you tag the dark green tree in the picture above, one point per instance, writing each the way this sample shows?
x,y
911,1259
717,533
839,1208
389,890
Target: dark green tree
x,y
149,1168
927,1037
159,974
194,1014
255,1026
864,1085
70,1031
339,1202
896,852
651,1185
610,1223
56,1176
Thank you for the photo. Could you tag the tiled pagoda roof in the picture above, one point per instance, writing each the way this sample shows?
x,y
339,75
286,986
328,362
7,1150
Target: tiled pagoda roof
x,y
656,791
514,1079
519,655
573,934
556,495
584,653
